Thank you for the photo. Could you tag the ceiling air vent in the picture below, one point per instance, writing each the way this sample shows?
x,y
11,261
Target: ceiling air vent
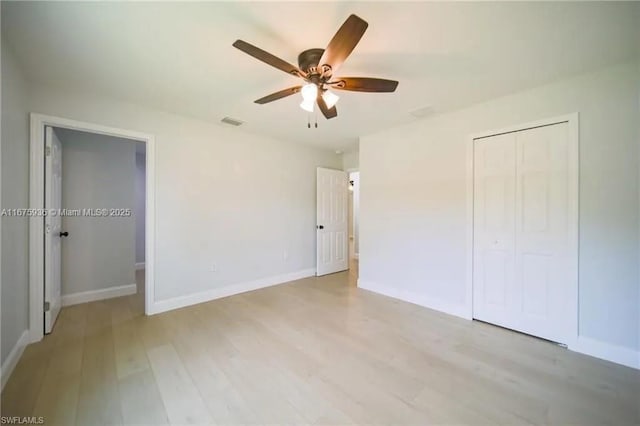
x,y
422,111
232,121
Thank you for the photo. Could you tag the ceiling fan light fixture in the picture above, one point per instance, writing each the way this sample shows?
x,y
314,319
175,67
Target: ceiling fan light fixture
x,y
316,68
307,105
309,92
330,98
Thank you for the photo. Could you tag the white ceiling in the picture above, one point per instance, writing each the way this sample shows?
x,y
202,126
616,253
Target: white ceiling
x,y
178,56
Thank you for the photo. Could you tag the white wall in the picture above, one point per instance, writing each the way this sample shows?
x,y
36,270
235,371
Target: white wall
x,y
97,172
223,196
15,175
413,219
140,205
350,159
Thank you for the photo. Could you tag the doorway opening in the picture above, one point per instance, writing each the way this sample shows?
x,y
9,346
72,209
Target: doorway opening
x,y
94,238
354,225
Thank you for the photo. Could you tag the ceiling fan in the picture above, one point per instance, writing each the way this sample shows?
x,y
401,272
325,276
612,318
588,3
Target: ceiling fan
x,y
316,68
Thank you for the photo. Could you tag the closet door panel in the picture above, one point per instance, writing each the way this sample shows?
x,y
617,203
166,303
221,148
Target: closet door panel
x,y
541,227
494,201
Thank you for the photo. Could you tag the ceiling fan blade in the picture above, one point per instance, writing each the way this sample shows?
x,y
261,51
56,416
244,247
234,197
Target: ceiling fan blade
x,y
365,84
326,111
268,58
279,95
342,44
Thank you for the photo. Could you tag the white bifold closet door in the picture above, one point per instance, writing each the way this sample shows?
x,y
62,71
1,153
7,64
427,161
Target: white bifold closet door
x,y
521,259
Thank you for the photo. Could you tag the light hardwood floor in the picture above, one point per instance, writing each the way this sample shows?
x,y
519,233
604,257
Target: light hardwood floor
x,y
314,351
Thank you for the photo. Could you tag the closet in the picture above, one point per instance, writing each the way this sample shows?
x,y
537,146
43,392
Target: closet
x,y
523,260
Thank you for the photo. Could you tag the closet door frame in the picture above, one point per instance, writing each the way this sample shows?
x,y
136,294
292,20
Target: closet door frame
x,y
572,121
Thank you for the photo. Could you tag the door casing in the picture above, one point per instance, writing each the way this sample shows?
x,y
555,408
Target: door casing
x,y
38,122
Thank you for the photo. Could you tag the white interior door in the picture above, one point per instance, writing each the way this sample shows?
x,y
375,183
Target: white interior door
x,y
494,235
522,265
53,229
332,221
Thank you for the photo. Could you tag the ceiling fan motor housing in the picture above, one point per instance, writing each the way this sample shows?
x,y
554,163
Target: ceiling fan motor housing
x,y
309,59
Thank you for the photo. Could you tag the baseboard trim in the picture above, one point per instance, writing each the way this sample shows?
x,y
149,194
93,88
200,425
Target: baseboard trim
x,y
607,351
139,266
102,294
411,297
218,293
14,356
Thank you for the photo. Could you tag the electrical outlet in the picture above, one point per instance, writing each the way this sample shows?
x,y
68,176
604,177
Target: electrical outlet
x,y
285,255
214,267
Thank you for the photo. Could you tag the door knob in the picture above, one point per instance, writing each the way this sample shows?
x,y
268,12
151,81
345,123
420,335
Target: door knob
x,y
320,226
64,234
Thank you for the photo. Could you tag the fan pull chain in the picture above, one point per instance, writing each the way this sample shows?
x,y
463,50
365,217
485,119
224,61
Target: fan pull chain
x,y
316,112
308,120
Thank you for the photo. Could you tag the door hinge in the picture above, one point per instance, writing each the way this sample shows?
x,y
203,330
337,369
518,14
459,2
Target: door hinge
x,y
47,151
47,306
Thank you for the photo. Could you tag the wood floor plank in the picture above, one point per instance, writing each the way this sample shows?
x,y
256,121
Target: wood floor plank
x,y
223,400
99,401
181,399
130,354
21,391
316,351
140,400
58,399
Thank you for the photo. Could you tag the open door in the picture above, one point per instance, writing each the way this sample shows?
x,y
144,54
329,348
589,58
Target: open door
x,y
52,228
332,224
